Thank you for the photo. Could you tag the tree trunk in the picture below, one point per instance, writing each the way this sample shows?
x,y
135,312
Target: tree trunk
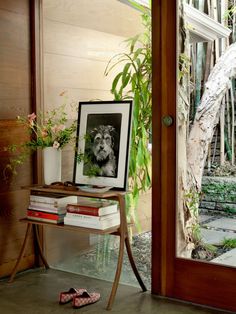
x,y
207,115
184,218
193,147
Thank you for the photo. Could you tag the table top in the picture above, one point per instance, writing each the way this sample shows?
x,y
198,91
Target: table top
x,y
72,190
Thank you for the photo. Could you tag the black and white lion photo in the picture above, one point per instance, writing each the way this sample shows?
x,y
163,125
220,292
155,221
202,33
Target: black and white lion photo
x,y
102,145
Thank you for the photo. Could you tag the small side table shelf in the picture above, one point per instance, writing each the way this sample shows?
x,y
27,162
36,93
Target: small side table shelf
x,y
120,230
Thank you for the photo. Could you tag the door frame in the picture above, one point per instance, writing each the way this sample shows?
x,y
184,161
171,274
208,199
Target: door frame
x,y
194,281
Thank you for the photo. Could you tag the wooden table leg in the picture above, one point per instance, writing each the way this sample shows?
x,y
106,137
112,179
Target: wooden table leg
x,y
22,251
124,229
36,233
118,272
133,265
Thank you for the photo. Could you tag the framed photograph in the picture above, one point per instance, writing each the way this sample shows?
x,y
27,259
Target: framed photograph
x,y
103,142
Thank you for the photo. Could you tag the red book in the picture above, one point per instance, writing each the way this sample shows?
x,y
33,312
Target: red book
x,y
92,208
44,215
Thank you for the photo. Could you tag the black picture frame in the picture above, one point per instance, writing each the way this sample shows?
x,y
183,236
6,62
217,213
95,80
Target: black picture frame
x,y
103,144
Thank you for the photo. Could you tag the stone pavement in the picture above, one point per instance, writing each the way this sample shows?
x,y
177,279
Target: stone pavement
x,y
214,229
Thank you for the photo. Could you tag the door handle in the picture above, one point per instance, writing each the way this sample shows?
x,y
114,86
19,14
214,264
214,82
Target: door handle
x,y
167,120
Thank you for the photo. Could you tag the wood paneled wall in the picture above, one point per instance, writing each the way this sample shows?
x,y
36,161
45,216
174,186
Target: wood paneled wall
x,y
14,100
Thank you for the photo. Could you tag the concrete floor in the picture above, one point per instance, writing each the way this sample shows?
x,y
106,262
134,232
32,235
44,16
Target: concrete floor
x,y
37,291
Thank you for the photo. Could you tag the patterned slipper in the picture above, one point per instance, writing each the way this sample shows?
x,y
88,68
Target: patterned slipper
x,y
67,296
85,299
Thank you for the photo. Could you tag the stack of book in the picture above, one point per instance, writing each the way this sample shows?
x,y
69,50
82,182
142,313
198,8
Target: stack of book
x,y
93,213
49,208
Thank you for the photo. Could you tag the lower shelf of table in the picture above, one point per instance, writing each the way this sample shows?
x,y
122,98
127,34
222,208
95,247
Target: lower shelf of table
x,y
112,230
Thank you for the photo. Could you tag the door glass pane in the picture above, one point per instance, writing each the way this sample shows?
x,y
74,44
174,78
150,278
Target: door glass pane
x,y
80,38
206,178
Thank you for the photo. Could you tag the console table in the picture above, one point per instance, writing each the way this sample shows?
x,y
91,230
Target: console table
x,y
120,230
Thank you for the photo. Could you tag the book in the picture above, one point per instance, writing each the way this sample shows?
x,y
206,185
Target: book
x,y
101,225
46,220
93,219
44,215
48,208
56,200
93,207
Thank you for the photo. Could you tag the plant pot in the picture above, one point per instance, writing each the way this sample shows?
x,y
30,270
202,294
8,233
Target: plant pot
x,y
51,165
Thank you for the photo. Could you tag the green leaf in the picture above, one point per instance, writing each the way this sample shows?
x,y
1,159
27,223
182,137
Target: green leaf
x,y
132,41
140,7
115,82
137,53
124,74
140,159
117,95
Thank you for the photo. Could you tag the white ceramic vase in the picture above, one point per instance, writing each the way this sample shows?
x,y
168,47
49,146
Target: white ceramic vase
x,y
51,165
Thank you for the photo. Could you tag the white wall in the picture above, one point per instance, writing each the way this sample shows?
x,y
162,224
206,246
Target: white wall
x,y
80,37
74,61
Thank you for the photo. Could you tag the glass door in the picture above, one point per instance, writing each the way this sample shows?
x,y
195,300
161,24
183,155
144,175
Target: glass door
x,y
193,114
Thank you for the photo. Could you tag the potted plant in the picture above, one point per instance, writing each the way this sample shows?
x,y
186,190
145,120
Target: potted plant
x,y
50,132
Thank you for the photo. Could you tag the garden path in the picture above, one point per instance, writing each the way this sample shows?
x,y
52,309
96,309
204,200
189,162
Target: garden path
x,y
214,229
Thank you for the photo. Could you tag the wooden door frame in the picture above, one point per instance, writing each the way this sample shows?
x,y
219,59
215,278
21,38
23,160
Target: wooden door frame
x,y
164,145
189,280
37,91
36,52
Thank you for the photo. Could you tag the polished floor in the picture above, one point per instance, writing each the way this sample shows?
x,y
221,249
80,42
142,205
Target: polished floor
x,y
37,291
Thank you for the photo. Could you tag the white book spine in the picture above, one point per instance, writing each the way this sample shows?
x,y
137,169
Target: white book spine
x,y
56,210
94,219
100,225
53,200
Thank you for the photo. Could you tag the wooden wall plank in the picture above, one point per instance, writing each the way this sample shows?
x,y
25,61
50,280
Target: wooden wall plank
x,y
11,132
15,95
16,6
6,268
13,107
14,59
14,30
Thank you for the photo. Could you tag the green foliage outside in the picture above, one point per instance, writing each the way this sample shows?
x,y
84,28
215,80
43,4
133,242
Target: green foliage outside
x,y
229,243
221,192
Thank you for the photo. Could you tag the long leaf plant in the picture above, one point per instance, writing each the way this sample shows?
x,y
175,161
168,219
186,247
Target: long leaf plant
x,y
134,82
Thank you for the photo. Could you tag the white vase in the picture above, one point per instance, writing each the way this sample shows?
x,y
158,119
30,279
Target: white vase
x,y
51,165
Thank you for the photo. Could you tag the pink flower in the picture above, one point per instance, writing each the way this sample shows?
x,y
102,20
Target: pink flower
x,y
61,127
44,133
54,128
62,93
56,144
31,118
58,128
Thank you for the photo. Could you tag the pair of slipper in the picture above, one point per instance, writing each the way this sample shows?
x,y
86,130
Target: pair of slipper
x,y
79,297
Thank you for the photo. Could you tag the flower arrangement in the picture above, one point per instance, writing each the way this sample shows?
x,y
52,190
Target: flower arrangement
x,y
51,129
52,132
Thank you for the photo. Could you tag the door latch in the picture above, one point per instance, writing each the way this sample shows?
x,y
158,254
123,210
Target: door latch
x,y
167,120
